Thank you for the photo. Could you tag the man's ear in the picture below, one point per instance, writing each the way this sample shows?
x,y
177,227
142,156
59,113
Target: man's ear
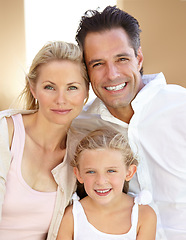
x,y
130,172
140,58
77,174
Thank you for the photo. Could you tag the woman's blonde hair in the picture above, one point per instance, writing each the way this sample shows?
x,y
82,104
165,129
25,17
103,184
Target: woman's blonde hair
x,y
57,50
106,139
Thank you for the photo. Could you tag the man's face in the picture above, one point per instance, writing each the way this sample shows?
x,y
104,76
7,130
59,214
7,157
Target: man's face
x,y
113,68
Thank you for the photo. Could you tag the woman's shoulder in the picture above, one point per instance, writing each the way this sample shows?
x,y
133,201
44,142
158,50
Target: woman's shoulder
x,y
10,125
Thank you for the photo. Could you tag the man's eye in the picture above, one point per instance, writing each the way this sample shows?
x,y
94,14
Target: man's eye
x,y
122,59
72,88
96,64
48,87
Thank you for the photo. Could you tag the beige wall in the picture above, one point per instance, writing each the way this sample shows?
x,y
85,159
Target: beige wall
x,y
12,49
163,24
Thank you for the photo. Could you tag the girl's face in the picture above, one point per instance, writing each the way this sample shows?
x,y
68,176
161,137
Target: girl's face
x,y
103,173
60,91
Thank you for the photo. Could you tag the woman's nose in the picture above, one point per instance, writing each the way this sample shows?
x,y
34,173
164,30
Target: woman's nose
x,y
60,98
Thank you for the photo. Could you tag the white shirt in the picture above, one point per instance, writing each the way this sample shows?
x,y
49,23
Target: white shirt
x,y
157,132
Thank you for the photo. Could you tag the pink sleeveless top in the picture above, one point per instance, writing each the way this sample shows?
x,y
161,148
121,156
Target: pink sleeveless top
x,y
26,213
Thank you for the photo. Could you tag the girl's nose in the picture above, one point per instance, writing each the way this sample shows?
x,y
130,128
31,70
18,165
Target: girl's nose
x,y
101,179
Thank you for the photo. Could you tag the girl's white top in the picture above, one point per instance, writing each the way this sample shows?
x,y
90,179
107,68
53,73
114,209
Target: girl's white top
x,y
83,230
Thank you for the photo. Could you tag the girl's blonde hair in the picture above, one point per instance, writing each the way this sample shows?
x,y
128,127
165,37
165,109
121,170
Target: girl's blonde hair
x,y
57,50
106,139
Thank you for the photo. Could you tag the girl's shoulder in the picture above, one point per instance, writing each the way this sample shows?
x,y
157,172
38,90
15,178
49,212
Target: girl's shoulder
x,y
68,210
67,225
146,213
143,199
147,218
147,221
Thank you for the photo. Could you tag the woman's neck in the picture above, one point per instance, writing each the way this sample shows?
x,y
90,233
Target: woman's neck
x,y
47,135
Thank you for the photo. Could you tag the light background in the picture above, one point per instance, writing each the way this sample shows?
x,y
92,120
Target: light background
x,y
49,20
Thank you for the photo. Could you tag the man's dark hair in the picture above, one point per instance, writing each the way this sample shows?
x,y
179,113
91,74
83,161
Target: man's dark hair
x,y
111,17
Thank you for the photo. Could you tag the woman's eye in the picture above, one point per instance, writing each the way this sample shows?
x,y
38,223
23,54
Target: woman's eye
x,y
91,172
72,88
48,87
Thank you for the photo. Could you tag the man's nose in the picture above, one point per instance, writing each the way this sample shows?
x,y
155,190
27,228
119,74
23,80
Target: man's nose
x,y
112,71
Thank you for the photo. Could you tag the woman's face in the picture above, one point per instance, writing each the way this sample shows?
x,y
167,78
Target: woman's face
x,y
60,91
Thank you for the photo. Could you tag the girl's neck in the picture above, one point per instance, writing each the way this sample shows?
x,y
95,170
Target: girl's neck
x,y
111,206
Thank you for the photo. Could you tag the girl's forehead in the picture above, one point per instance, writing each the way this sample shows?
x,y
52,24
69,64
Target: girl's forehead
x,y
101,154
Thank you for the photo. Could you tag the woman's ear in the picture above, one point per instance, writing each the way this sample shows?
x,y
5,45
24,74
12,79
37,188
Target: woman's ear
x,y
130,172
77,174
32,89
33,92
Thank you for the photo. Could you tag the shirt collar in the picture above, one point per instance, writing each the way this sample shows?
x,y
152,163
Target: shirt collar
x,y
151,81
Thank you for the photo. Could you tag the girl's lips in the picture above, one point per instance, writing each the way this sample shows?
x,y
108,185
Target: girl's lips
x,y
103,192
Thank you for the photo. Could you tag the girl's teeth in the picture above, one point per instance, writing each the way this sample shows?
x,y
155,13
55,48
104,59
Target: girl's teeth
x,y
102,191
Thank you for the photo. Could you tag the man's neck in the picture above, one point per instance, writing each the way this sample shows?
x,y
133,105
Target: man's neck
x,y
124,114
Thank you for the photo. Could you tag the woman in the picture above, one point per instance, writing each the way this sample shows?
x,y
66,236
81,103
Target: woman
x,y
36,180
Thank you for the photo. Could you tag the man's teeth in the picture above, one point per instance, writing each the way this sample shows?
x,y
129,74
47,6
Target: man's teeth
x,y
116,88
103,191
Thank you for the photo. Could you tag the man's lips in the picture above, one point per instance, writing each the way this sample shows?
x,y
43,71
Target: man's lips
x,y
117,87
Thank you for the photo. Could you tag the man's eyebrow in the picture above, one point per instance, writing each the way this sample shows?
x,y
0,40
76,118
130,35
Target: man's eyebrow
x,y
123,55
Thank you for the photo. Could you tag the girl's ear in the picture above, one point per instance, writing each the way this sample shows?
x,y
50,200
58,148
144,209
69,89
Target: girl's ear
x,y
130,172
77,174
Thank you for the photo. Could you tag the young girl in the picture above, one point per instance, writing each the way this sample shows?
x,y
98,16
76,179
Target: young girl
x,y
104,163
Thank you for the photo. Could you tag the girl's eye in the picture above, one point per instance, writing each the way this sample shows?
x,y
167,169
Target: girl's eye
x,y
72,88
111,171
48,87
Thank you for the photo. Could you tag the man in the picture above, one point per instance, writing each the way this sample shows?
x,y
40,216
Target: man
x,y
153,112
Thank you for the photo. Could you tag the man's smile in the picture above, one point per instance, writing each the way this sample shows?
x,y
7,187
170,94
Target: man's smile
x,y
116,88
